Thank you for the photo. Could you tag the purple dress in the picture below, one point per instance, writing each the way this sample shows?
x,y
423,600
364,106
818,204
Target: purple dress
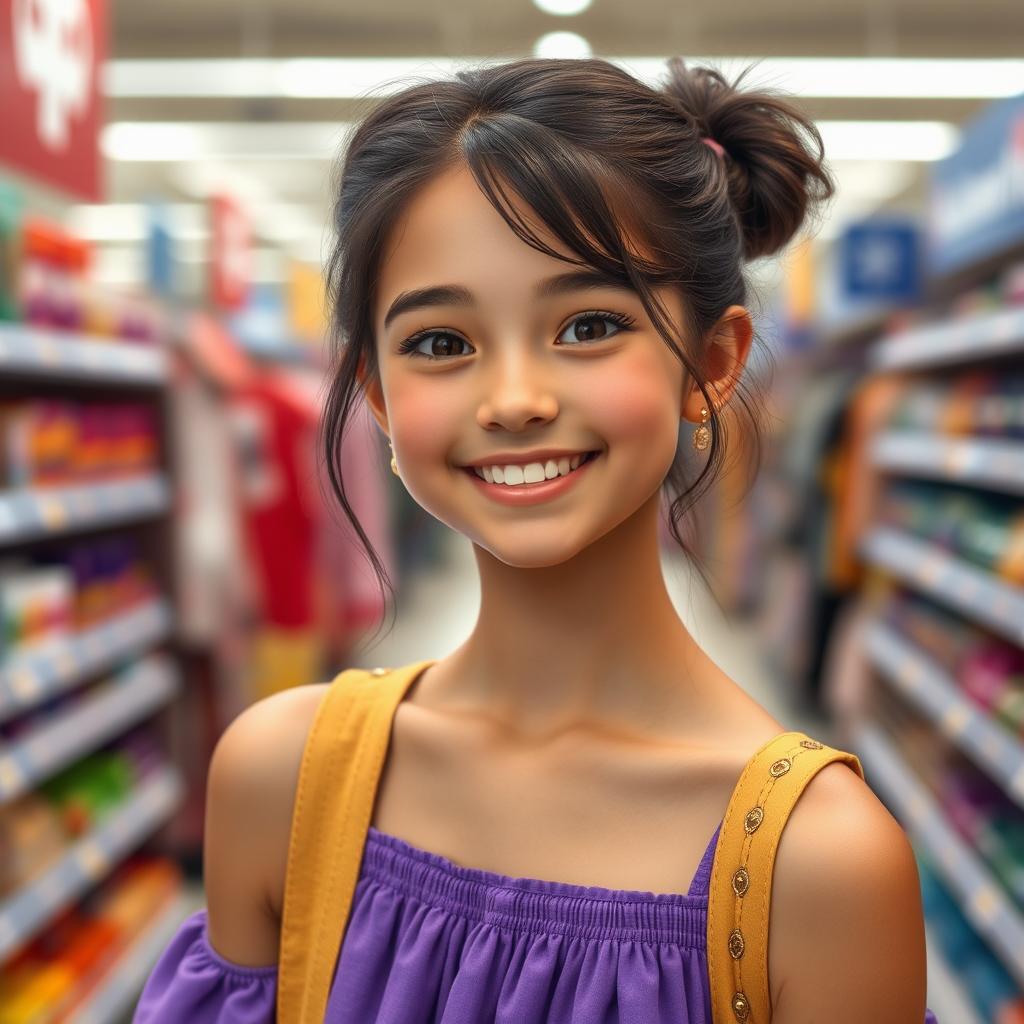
x,y
433,943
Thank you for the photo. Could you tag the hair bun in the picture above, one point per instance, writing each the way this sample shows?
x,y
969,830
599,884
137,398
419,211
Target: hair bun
x,y
773,155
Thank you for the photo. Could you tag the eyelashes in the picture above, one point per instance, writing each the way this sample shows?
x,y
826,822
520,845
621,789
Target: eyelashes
x,y
585,328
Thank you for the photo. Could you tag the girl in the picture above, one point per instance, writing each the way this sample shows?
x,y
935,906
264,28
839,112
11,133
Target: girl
x,y
538,273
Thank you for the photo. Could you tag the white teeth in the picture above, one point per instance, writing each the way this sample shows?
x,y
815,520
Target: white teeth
x,y
550,470
533,473
479,472
563,467
575,463
498,473
488,474
514,475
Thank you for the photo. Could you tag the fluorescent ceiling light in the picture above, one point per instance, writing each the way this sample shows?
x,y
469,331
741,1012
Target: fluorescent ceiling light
x,y
888,140
157,141
189,142
563,8
562,46
348,77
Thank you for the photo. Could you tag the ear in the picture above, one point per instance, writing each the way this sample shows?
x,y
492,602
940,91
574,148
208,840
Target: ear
x,y
728,346
375,400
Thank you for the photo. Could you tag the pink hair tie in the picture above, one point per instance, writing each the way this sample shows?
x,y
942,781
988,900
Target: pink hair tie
x,y
716,146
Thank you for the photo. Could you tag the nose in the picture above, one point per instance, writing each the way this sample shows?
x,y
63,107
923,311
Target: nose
x,y
518,397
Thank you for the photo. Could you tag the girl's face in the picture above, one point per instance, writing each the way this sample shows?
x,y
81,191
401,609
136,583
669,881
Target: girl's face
x,y
532,405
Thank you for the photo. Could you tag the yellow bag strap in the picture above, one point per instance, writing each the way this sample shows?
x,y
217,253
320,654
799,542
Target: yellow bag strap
x,y
741,877
341,766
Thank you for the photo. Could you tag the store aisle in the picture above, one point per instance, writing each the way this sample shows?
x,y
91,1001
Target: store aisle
x,y
439,605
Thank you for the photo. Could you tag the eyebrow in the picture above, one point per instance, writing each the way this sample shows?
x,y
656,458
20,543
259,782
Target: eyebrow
x,y
425,298
577,280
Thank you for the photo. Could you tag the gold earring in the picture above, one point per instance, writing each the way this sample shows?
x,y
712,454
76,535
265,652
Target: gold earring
x,y
394,465
702,436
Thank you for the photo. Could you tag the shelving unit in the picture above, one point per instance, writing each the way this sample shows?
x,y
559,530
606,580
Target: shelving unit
x,y
50,512
29,910
948,344
113,996
981,898
992,463
928,688
966,588
69,735
39,363
31,679
40,353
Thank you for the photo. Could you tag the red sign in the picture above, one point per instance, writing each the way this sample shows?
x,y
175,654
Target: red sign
x,y
51,52
231,263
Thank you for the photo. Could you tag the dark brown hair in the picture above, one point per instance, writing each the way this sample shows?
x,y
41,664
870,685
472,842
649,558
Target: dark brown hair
x,y
617,171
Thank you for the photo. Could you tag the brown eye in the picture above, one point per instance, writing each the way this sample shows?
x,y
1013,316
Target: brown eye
x,y
438,345
591,327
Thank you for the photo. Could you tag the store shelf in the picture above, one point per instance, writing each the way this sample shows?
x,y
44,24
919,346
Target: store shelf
x,y
924,684
27,912
983,901
69,735
985,462
31,679
968,589
112,999
947,996
41,353
30,514
952,342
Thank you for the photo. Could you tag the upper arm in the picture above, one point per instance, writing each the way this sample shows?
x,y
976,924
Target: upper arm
x,y
250,798
846,933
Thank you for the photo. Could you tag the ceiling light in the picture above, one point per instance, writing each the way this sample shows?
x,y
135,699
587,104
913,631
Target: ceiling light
x,y
348,77
563,8
562,46
888,140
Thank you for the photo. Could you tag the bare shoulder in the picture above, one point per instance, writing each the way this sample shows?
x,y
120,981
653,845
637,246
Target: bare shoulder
x,y
250,797
846,936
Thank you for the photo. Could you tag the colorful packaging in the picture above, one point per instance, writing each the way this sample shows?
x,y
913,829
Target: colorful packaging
x,y
37,608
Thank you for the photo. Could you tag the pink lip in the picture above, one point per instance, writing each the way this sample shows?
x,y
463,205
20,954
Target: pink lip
x,y
530,494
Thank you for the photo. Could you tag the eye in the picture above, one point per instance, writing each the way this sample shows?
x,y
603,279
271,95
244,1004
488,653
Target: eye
x,y
437,345
589,327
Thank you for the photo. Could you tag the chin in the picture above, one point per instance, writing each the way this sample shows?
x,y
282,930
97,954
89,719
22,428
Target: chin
x,y
538,548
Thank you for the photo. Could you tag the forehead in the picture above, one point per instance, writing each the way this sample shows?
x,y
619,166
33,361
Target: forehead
x,y
451,234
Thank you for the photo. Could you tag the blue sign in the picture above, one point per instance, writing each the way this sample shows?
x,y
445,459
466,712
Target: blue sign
x,y
159,250
976,197
879,260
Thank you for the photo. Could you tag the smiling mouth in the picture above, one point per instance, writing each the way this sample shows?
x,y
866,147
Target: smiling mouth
x,y
519,474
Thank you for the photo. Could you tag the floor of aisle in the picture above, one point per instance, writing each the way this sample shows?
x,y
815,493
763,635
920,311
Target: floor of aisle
x,y
438,607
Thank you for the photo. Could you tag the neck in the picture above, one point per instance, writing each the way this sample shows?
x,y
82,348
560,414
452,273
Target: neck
x,y
593,637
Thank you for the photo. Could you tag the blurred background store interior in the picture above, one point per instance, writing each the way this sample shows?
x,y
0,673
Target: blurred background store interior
x,y
167,554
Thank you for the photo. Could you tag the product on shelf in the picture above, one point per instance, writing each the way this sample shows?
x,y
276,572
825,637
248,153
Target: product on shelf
x,y
47,442
985,529
53,975
37,606
69,589
986,981
54,290
32,836
983,403
88,790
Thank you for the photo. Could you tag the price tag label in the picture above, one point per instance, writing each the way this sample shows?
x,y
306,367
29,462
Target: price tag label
x,y
955,720
93,861
11,777
53,513
985,903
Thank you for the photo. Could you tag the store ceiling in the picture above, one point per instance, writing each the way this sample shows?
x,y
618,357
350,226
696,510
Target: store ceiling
x,y
289,188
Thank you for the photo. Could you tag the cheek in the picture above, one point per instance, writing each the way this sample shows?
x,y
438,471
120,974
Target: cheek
x,y
424,419
638,407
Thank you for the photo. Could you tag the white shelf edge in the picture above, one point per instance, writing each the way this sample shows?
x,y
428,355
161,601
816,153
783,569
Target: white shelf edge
x,y
993,463
113,996
909,670
47,353
31,679
72,734
31,908
952,342
52,511
966,588
981,898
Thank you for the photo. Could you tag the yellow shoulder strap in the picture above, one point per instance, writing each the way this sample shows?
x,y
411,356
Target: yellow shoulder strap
x,y
341,766
741,877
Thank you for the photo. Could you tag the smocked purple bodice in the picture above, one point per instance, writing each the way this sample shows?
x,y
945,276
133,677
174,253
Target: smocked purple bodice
x,y
432,943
